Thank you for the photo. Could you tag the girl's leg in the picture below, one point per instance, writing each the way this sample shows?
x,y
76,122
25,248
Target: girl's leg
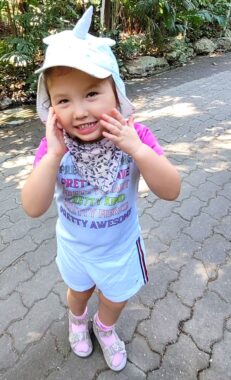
x,y
109,311
77,301
79,336
104,329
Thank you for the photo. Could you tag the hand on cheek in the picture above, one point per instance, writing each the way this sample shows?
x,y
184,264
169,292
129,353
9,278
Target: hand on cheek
x,y
120,131
54,134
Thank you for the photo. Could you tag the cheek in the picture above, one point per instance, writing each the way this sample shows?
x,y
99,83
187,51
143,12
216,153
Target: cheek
x,y
61,115
108,104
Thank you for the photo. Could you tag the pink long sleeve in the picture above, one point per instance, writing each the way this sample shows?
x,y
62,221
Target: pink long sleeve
x,y
148,138
41,151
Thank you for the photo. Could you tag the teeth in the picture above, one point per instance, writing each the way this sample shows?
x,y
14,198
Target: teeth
x,y
85,126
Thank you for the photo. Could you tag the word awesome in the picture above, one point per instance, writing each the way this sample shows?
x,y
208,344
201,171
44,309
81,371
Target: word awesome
x,y
95,224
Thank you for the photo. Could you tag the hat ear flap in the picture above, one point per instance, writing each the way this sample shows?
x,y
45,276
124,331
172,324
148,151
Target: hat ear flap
x,y
83,25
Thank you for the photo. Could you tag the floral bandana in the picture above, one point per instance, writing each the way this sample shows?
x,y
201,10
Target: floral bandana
x,y
98,162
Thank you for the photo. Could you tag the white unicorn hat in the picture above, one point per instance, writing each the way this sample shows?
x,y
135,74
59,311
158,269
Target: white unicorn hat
x,y
80,50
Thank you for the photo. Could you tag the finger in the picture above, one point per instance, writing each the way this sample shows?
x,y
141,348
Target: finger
x,y
50,115
130,121
111,128
112,121
118,116
110,137
59,126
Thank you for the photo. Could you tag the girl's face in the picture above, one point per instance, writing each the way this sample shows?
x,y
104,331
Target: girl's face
x,y
79,100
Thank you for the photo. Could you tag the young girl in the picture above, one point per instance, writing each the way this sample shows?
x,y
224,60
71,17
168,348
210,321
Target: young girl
x,y
91,158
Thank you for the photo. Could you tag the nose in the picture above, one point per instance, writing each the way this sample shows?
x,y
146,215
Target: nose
x,y
80,111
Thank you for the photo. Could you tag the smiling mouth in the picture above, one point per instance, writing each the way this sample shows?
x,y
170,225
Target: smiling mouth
x,y
87,126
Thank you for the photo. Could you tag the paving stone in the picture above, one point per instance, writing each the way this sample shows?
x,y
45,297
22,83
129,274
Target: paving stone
x,y
197,177
140,354
12,276
220,363
189,208
162,328
180,251
130,372
218,208
42,256
19,229
134,312
161,209
2,247
160,276
7,356
11,309
213,250
228,324
16,176
7,205
206,325
223,283
61,290
40,285
15,250
170,228
39,359
207,190
77,368
5,222
185,191
6,192
32,328
191,283
226,192
223,227
154,248
221,177
15,215
201,227
45,231
143,204
60,332
147,223
181,361
187,166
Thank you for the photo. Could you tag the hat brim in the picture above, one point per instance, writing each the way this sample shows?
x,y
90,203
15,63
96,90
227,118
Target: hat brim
x,y
83,65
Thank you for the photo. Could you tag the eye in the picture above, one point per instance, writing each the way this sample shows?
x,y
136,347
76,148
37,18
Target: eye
x,y
62,101
92,94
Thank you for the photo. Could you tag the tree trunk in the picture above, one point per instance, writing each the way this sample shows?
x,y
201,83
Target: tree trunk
x,y
105,14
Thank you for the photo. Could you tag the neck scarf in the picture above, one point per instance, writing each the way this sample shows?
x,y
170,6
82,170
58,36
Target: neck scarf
x,y
97,162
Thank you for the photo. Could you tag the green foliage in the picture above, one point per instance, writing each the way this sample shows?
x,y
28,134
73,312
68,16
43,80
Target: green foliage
x,y
21,51
161,18
132,46
138,26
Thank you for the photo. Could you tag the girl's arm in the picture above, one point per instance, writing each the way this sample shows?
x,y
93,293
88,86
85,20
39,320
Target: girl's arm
x,y
160,175
38,191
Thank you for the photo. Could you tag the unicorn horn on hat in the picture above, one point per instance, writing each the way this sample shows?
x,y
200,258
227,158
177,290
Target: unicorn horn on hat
x,y
83,25
80,32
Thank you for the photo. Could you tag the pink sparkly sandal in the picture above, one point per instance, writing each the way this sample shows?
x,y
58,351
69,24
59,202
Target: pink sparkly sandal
x,y
79,336
114,354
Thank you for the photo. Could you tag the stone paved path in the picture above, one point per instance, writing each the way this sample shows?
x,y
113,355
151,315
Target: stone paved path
x,y
179,326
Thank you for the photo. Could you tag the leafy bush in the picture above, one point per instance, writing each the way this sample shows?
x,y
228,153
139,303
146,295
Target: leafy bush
x,y
21,51
131,46
139,26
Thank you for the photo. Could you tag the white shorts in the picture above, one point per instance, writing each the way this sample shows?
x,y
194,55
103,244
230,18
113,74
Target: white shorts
x,y
118,279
